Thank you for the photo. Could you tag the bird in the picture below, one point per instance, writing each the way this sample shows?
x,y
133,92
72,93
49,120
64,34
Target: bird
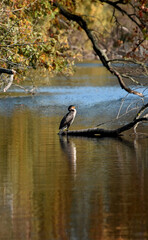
x,y
68,119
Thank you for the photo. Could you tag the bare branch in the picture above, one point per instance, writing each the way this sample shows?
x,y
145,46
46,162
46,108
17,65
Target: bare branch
x,y
11,72
130,16
132,79
94,132
141,111
9,83
139,66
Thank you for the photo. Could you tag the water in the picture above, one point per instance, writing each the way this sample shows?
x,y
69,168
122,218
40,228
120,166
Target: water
x,y
58,188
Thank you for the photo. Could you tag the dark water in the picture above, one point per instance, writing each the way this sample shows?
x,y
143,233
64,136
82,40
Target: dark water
x,y
74,188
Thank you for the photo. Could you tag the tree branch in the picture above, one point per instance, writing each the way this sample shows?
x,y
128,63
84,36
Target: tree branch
x,y
92,132
9,83
105,61
7,71
11,72
140,112
130,16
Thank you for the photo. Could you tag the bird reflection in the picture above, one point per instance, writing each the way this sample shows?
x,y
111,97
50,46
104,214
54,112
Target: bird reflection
x,y
69,147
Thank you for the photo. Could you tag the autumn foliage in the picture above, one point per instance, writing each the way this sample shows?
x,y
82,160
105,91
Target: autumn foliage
x,y
29,37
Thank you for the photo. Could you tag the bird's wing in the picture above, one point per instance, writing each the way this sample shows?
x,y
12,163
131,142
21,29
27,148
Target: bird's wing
x,y
66,119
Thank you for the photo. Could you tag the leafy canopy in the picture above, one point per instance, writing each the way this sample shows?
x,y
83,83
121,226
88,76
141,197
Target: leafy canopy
x,y
30,37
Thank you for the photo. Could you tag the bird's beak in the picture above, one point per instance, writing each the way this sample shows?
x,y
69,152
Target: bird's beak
x,y
73,107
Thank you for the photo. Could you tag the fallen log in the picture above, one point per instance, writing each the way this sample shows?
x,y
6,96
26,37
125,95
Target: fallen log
x,y
92,132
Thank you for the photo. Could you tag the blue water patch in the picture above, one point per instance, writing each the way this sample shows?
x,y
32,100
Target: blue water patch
x,y
87,96
84,98
89,65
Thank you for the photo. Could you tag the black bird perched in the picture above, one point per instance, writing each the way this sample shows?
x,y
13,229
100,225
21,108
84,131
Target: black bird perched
x,y
68,118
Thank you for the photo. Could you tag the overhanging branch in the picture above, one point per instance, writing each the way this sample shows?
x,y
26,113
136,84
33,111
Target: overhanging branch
x,y
105,61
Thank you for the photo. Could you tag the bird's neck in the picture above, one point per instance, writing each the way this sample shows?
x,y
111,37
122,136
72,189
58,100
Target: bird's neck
x,y
73,110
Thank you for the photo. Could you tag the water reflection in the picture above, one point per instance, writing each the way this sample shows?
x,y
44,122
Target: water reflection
x,y
69,148
69,188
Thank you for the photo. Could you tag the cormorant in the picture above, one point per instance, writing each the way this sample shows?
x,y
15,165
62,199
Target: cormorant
x,y
68,118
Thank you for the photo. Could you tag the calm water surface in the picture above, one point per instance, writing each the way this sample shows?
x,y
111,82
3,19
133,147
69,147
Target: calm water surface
x,y
59,188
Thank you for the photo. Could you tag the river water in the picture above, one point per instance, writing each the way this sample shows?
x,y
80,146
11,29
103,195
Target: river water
x,y
75,188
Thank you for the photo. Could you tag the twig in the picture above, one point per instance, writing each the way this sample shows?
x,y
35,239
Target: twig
x,y
141,111
128,60
132,79
123,12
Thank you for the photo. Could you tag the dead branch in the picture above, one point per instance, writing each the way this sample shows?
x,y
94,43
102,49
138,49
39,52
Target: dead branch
x,y
134,61
94,132
105,61
133,17
99,132
11,72
9,83
141,111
